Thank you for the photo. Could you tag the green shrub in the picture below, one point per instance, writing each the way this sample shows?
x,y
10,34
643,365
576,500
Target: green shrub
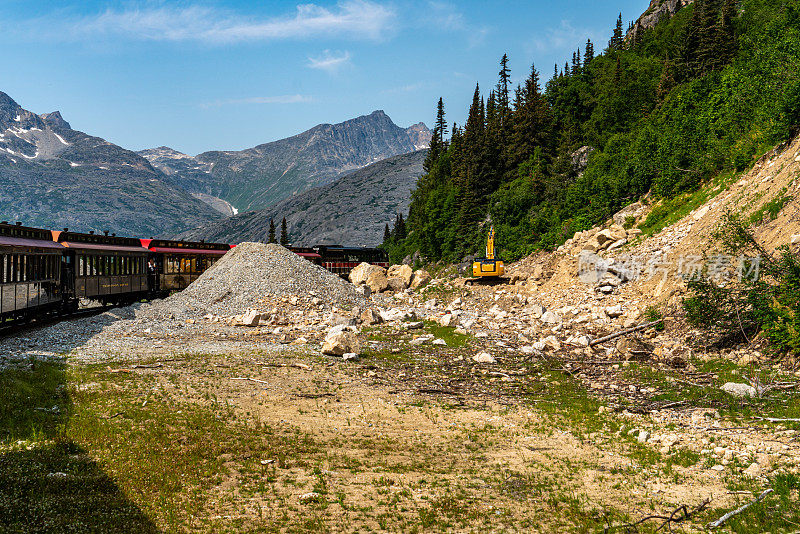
x,y
764,299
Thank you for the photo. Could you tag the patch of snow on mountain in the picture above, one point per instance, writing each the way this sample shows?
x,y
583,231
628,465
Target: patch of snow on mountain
x,y
61,139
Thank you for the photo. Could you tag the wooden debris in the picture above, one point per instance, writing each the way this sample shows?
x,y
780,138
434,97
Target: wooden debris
x,y
719,522
624,332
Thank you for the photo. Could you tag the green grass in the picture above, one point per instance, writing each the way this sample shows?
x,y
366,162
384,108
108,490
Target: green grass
x,y
448,334
769,211
670,211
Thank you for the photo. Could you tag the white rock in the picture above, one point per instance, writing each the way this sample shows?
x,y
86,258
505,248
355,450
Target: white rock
x,y
550,317
484,357
310,497
440,341
644,435
339,343
614,311
739,390
753,470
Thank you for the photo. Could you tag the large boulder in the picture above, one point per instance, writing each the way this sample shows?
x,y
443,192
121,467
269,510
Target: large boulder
x,y
377,280
370,317
340,341
360,273
420,278
403,272
396,285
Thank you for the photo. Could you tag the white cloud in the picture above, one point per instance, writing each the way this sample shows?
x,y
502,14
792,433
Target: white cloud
x,y
355,19
280,99
445,16
329,61
565,37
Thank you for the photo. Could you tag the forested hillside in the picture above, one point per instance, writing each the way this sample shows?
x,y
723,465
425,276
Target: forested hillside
x,y
661,110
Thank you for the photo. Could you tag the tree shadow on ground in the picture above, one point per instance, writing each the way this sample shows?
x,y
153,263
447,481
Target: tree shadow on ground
x,y
47,482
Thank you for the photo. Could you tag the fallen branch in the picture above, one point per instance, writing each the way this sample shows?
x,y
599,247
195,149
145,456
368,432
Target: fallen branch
x,y
154,366
250,379
624,332
295,365
436,391
721,520
778,420
314,395
679,514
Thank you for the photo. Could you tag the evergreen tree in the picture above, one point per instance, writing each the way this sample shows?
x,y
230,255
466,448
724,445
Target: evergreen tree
x,y
588,54
271,232
387,234
617,38
284,233
399,228
503,100
438,144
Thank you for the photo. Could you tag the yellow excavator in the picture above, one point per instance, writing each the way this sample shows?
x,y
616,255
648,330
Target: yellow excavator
x,y
488,268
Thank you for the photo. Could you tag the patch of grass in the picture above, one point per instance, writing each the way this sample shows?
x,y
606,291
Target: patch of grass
x,y
48,481
778,512
668,212
448,334
769,211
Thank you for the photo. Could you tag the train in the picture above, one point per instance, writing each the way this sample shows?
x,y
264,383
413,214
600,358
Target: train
x,y
45,272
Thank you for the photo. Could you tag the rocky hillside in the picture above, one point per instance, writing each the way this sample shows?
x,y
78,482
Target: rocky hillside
x,y
350,211
655,11
263,175
55,177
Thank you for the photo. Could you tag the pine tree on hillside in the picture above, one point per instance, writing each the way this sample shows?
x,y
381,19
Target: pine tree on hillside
x,y
438,144
399,227
503,100
532,120
617,38
588,54
284,233
271,232
387,234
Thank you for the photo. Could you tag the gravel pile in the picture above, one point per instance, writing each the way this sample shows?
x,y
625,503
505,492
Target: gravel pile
x,y
249,274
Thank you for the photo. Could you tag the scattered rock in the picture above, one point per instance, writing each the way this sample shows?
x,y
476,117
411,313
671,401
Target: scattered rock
x,y
484,357
340,341
550,317
420,278
307,498
739,390
403,272
369,317
251,318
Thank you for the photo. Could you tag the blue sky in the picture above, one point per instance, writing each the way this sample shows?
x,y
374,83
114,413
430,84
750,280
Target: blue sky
x,y
229,74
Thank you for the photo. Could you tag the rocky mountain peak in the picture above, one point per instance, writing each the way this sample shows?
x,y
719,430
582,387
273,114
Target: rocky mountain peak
x,y
655,11
55,121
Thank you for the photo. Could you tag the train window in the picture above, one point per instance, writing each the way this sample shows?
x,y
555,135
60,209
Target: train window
x,y
3,276
81,265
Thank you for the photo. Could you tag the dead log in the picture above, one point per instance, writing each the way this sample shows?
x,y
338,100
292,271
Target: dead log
x,y
721,520
624,332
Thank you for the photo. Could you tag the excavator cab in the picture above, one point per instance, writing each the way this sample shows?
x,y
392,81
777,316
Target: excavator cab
x,y
488,267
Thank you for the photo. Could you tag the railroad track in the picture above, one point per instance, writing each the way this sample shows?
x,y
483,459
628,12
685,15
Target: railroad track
x,y
15,327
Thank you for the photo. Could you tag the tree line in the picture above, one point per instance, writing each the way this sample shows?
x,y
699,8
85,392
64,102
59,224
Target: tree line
x,y
660,110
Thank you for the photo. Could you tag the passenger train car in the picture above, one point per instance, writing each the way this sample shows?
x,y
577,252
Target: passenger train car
x,y
30,272
179,263
45,272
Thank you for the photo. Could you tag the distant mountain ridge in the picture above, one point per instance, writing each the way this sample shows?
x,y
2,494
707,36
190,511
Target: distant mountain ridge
x,y
55,177
350,211
257,177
